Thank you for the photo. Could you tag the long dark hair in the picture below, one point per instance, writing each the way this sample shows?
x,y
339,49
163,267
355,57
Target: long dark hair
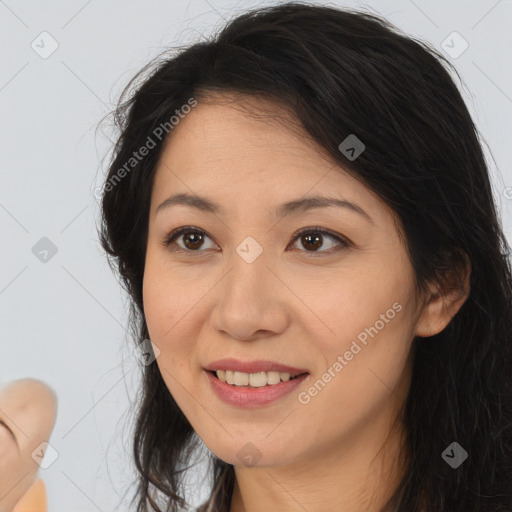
x,y
342,72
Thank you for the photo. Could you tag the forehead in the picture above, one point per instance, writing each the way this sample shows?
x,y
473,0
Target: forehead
x,y
240,135
225,127
249,150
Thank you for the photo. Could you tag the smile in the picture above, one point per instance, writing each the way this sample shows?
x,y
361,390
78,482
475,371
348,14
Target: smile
x,y
253,380
248,396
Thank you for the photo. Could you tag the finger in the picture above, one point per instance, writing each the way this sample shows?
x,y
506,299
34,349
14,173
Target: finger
x,y
28,409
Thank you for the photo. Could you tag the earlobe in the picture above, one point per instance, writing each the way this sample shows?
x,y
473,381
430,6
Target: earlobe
x,y
443,304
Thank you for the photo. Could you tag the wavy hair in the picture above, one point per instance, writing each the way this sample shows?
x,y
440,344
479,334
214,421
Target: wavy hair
x,y
341,72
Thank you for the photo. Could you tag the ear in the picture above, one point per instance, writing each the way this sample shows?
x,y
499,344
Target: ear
x,y
444,301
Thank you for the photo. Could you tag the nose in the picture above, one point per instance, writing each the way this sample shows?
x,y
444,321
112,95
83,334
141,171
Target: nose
x,y
250,301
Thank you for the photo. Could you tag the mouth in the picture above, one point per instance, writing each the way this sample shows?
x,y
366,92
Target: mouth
x,y
253,380
253,390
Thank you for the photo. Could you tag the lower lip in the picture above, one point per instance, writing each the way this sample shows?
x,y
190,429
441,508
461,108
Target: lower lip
x,y
252,397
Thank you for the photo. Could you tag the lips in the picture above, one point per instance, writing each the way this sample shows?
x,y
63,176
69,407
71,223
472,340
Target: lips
x,y
253,366
249,397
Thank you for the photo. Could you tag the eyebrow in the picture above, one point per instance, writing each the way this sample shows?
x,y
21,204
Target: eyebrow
x,y
298,205
11,433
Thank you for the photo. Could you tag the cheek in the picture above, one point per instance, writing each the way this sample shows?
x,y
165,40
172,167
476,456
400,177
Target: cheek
x,y
171,329
359,303
165,302
161,311
365,351
171,311
156,302
359,385
171,294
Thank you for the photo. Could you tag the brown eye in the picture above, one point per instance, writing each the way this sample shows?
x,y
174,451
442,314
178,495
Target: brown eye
x,y
191,238
313,238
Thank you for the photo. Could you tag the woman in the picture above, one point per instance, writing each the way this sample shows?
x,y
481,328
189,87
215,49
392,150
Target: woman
x,y
302,215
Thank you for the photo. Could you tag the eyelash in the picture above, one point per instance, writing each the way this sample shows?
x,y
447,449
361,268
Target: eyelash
x,y
169,239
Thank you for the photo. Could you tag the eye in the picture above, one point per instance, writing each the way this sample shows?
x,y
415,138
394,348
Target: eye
x,y
194,238
311,238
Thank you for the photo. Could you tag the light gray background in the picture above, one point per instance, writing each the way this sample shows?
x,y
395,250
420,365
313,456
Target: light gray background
x,y
62,321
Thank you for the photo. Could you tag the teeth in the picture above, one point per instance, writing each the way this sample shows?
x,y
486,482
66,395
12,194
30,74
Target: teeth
x,y
241,379
255,380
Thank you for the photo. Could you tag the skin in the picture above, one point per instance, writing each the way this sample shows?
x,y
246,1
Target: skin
x,y
28,408
294,304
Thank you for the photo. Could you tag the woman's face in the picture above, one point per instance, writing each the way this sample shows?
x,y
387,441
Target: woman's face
x,y
240,284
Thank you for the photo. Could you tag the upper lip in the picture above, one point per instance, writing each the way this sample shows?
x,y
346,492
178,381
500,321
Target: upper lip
x,y
253,366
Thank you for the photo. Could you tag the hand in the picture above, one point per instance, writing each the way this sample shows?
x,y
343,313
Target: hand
x,y
28,409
